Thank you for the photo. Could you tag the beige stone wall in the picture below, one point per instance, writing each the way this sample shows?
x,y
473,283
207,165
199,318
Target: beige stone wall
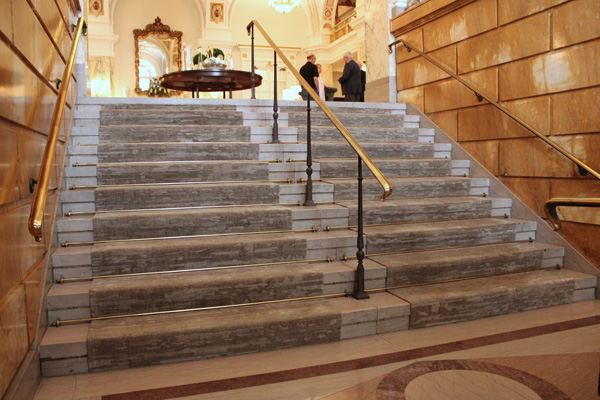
x,y
541,60
34,42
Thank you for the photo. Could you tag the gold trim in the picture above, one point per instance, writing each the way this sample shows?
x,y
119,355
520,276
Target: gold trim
x,y
36,215
385,184
155,28
552,213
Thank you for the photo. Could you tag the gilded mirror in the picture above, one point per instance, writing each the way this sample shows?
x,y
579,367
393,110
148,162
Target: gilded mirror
x,y
157,52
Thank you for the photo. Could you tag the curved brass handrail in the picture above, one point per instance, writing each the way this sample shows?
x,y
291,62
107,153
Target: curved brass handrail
x,y
36,216
385,184
551,212
583,168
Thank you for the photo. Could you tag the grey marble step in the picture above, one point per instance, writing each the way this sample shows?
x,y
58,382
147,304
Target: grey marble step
x,y
446,234
346,189
479,298
170,117
131,152
181,195
185,222
170,107
160,339
348,119
336,168
321,150
425,209
194,289
173,133
341,108
360,133
190,171
444,265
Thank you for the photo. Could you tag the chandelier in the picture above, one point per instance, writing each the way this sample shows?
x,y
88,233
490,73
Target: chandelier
x,y
284,6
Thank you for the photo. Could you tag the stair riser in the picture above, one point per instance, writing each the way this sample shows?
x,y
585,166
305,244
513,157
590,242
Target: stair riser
x,y
361,134
389,150
177,152
372,189
363,120
184,196
349,169
153,134
170,118
141,225
186,172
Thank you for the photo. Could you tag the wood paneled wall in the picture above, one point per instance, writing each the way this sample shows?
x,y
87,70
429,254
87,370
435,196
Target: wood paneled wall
x,y
35,40
541,60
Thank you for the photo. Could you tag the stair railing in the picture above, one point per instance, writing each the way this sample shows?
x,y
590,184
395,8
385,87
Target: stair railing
x,y
36,216
359,286
550,205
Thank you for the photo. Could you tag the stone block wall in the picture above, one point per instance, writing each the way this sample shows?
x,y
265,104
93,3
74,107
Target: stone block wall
x,y
541,60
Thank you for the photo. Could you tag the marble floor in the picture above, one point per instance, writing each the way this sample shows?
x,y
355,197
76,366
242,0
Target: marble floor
x,y
552,353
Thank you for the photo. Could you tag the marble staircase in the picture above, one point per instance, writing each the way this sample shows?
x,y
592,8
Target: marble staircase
x,y
185,206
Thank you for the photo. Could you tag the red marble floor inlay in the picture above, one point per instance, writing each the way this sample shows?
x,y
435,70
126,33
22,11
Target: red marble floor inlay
x,y
173,392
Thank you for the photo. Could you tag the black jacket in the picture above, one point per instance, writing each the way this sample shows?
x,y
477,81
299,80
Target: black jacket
x,y
350,79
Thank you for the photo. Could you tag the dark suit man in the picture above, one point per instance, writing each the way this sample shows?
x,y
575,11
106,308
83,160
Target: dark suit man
x,y
350,79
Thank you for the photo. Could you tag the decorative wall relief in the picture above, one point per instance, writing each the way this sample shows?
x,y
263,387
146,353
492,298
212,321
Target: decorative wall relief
x,y
96,7
216,12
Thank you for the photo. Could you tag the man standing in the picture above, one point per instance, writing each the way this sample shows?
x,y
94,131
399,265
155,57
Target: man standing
x,y
310,73
350,79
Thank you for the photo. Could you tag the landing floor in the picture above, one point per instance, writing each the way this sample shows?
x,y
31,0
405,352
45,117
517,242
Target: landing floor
x,y
532,355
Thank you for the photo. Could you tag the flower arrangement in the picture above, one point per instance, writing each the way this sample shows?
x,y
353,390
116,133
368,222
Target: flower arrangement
x,y
154,89
211,53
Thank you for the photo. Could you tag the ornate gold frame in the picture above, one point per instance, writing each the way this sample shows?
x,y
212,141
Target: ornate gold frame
x,y
159,28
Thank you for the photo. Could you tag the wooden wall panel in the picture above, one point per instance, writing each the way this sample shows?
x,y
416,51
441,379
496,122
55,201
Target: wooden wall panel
x,y
5,21
581,103
447,121
414,96
31,150
486,152
571,68
34,287
584,147
450,94
13,331
468,21
511,10
584,238
533,158
534,192
419,71
29,36
535,111
414,38
575,22
522,39
9,164
52,19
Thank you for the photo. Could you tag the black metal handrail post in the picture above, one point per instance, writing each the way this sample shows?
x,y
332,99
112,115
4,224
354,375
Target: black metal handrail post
x,y
250,29
275,106
359,283
308,196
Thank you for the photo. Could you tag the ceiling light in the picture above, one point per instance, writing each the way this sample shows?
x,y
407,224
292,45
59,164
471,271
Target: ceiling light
x,y
284,6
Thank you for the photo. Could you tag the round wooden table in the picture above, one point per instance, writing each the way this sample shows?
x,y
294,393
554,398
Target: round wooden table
x,y
210,80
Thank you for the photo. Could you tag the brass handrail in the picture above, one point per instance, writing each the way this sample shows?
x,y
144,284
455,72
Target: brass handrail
x,y
551,212
36,216
583,168
385,184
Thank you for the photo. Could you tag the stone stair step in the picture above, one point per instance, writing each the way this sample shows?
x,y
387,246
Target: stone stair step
x,y
364,108
486,297
169,117
422,209
184,222
445,234
174,133
331,133
443,265
199,107
336,168
181,171
348,119
210,288
160,339
190,195
190,151
321,150
346,189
